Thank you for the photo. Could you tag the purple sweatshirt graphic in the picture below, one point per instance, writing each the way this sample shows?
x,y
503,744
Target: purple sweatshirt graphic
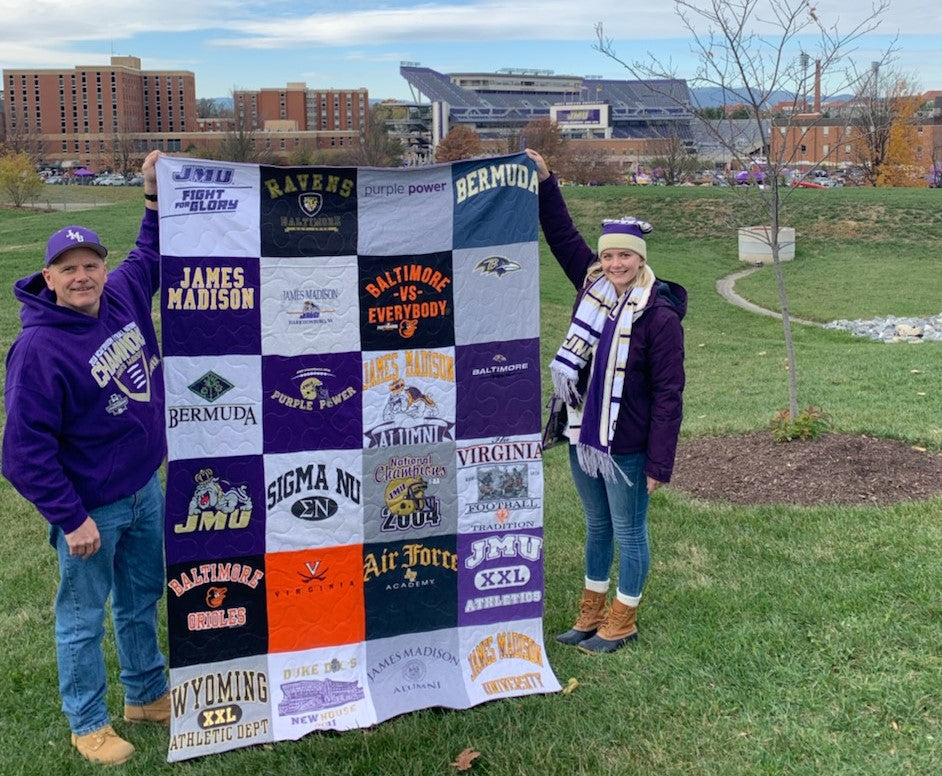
x,y
652,400
85,396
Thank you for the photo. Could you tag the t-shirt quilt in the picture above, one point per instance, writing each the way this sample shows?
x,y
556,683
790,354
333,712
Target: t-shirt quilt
x,y
354,507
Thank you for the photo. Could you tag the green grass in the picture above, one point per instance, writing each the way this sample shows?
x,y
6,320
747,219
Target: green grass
x,y
774,640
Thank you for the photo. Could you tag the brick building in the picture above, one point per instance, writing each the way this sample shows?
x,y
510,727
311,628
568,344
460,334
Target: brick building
x,y
109,117
97,116
303,109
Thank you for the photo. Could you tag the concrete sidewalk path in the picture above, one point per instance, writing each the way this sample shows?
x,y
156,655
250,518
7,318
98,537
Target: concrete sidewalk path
x,y
726,287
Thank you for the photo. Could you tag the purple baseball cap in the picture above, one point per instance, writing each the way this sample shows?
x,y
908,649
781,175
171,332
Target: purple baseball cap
x,y
70,237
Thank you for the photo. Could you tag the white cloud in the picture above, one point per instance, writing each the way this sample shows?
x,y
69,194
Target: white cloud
x,y
56,26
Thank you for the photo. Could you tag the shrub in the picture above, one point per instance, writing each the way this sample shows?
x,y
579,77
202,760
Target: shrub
x,y
811,422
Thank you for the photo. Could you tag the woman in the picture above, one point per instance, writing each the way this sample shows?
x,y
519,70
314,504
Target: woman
x,y
621,372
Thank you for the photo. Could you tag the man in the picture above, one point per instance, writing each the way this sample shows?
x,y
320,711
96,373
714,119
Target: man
x,y
84,439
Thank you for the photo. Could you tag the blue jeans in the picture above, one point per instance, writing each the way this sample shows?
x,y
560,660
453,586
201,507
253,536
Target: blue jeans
x,y
615,511
130,568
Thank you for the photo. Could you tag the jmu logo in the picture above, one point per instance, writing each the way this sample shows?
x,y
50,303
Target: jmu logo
x,y
497,265
311,203
199,174
407,495
216,505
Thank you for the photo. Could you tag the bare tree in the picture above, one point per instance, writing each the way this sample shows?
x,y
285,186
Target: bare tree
x,y
676,160
127,153
589,167
207,108
752,50
240,141
935,173
22,137
377,148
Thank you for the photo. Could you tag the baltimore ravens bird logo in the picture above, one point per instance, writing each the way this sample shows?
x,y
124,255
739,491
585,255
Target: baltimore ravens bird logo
x,y
497,265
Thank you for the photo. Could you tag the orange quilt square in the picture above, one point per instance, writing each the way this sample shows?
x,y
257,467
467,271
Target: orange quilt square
x,y
315,598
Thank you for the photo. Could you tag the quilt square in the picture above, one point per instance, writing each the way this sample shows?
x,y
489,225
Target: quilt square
x,y
308,211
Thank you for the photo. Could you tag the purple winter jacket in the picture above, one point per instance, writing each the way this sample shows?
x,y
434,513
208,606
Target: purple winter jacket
x,y
652,400
85,396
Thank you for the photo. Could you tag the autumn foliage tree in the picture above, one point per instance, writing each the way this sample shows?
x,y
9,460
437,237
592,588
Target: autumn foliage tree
x,y
884,109
544,135
900,166
461,142
19,180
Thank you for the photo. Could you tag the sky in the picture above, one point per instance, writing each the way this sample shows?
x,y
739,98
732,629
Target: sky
x,y
248,44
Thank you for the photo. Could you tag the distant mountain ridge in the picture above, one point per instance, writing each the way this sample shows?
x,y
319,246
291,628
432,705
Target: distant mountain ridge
x,y
702,97
717,97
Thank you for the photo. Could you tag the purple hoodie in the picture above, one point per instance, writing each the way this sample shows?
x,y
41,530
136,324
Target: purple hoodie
x,y
85,396
652,401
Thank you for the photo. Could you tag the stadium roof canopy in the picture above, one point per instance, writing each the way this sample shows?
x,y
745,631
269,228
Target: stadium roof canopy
x,y
515,97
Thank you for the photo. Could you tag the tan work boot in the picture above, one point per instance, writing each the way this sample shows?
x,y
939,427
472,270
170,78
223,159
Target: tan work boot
x,y
618,629
103,746
591,616
157,712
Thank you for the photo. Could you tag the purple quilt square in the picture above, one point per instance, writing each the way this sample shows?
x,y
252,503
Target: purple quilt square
x,y
498,389
215,508
312,402
500,576
210,306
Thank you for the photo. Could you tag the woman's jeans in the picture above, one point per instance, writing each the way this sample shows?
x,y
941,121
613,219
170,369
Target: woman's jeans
x,y
615,511
130,567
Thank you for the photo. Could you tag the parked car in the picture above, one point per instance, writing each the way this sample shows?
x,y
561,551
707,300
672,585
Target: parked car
x,y
745,177
136,180
810,183
110,180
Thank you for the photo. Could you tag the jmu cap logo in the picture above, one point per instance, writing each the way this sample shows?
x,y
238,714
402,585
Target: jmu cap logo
x,y
311,203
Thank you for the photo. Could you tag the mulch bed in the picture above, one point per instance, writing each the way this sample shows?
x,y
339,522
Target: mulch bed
x,y
840,469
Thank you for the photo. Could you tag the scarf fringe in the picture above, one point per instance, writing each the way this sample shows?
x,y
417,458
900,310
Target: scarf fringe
x,y
564,386
599,463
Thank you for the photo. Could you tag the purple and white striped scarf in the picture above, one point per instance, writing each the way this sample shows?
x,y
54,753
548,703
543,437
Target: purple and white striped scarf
x,y
601,325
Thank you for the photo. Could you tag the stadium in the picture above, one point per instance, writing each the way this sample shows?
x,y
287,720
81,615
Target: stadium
x,y
620,115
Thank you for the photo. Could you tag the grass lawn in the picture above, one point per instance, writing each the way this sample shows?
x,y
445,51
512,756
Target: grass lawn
x,y
774,640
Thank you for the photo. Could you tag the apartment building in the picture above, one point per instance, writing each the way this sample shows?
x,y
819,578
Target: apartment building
x,y
97,115
109,117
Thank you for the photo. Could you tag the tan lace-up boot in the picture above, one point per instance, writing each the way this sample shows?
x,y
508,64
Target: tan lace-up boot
x,y
157,712
103,746
619,628
591,616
